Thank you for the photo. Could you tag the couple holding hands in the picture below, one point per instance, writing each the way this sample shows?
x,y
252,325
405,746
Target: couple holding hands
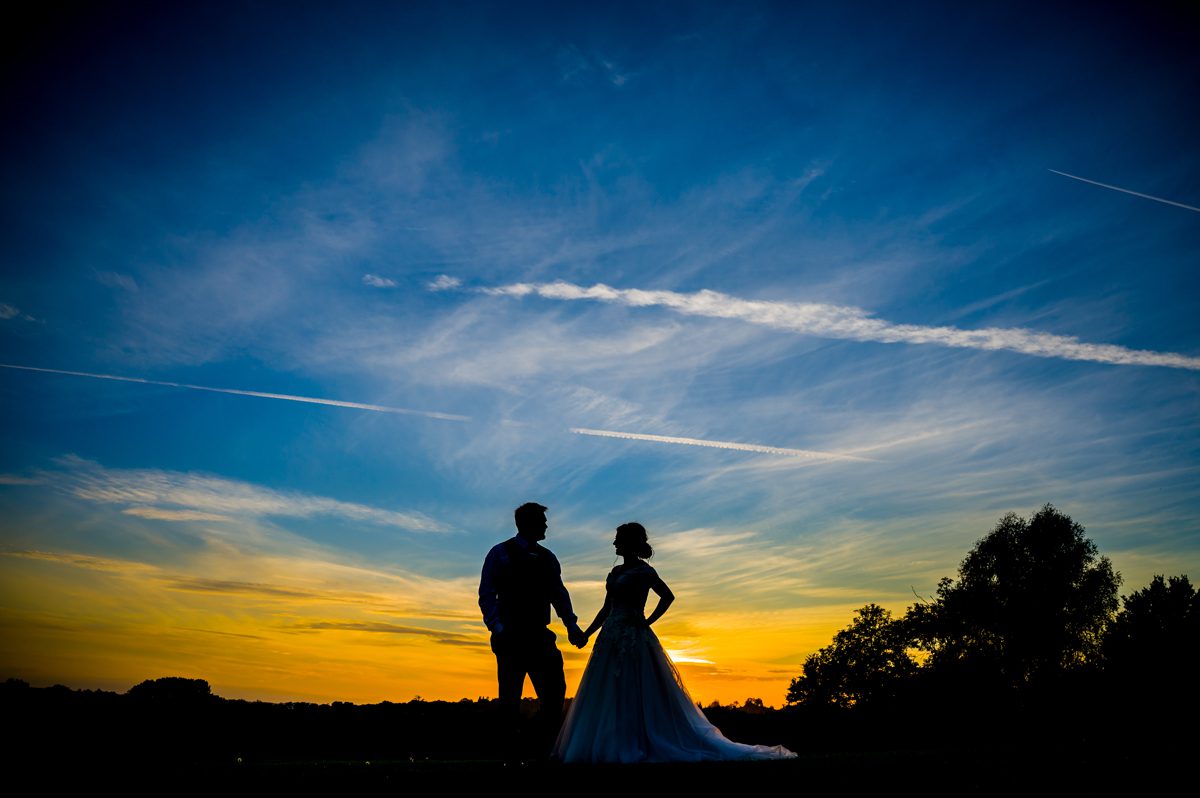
x,y
631,705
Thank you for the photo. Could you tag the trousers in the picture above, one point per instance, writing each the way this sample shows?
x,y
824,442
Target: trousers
x,y
533,653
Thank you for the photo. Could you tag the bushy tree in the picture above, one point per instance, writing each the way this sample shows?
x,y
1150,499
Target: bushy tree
x,y
1032,598
863,664
1156,635
172,689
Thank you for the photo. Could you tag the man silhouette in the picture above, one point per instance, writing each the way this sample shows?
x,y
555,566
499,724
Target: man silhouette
x,y
521,580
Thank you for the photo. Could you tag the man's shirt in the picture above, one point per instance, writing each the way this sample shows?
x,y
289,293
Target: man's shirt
x,y
498,560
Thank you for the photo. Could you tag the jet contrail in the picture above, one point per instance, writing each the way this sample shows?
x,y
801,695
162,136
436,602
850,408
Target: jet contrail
x,y
848,323
312,400
1127,191
741,447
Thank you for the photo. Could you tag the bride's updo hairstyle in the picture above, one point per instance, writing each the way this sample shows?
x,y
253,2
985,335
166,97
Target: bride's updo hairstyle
x,y
632,539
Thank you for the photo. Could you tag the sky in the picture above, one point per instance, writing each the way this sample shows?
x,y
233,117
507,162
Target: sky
x,y
817,294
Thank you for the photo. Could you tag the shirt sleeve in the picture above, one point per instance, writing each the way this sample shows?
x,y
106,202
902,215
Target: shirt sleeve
x,y
487,589
560,598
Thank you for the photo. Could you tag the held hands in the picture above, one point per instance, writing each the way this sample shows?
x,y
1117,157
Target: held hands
x,y
577,636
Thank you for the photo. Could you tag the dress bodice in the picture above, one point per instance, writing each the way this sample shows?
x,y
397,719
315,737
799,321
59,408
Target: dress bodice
x,y
627,590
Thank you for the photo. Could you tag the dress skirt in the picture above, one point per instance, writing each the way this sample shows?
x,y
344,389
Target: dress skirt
x,y
631,706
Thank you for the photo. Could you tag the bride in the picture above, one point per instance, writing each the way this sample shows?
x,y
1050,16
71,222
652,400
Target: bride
x,y
631,705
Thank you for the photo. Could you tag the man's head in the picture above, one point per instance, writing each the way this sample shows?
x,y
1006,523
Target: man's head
x,y
531,521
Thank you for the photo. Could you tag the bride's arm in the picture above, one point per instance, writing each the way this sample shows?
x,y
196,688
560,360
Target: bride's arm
x,y
600,617
665,597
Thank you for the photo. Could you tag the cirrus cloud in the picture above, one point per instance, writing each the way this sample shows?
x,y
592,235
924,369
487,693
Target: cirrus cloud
x,y
183,496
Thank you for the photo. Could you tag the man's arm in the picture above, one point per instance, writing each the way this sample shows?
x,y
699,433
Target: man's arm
x,y
487,590
560,599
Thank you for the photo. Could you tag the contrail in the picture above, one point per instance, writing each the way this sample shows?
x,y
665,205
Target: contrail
x,y
312,400
850,323
1127,191
741,447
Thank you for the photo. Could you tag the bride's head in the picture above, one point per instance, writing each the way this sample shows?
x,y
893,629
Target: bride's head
x,y
632,541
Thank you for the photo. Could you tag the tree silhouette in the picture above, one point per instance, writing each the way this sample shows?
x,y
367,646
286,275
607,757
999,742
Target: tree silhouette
x,y
863,664
1155,639
1032,599
172,689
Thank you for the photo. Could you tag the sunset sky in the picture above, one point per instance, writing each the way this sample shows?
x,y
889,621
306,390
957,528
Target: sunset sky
x,y
815,292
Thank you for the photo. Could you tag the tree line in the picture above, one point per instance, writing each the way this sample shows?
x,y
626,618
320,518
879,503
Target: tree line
x,y
1031,635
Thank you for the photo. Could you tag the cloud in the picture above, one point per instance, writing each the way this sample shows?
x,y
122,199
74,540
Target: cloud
x,y
162,514
304,577
179,496
376,281
88,561
704,542
447,638
259,394
850,323
444,282
9,312
615,75
1127,191
242,635
233,587
742,447
574,65
13,479
117,280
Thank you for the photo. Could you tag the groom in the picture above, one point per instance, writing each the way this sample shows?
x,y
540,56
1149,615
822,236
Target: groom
x,y
521,580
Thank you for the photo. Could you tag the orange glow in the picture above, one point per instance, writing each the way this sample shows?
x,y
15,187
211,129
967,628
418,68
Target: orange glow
x,y
317,631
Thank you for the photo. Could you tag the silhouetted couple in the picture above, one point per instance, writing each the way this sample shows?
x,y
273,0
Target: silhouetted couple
x,y
631,705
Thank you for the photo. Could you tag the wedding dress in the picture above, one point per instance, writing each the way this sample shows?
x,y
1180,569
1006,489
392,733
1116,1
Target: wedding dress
x,y
631,705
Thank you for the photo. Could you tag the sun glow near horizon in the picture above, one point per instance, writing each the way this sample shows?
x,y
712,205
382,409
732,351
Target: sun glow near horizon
x,y
321,632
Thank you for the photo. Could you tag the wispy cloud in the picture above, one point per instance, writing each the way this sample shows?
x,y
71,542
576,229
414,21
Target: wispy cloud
x,y
616,76
299,580
260,394
741,447
178,496
237,588
375,281
444,282
447,638
88,561
10,312
703,542
117,280
164,514
850,323
14,479
575,65
1128,191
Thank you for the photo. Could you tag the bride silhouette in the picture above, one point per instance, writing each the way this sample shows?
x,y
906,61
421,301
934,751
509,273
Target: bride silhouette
x,y
631,705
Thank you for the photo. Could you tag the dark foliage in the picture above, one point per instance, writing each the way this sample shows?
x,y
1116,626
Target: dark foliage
x,y
1024,645
1157,630
1153,645
866,662
1031,602
172,690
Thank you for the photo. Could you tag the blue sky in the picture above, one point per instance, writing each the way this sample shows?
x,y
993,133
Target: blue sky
x,y
411,206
